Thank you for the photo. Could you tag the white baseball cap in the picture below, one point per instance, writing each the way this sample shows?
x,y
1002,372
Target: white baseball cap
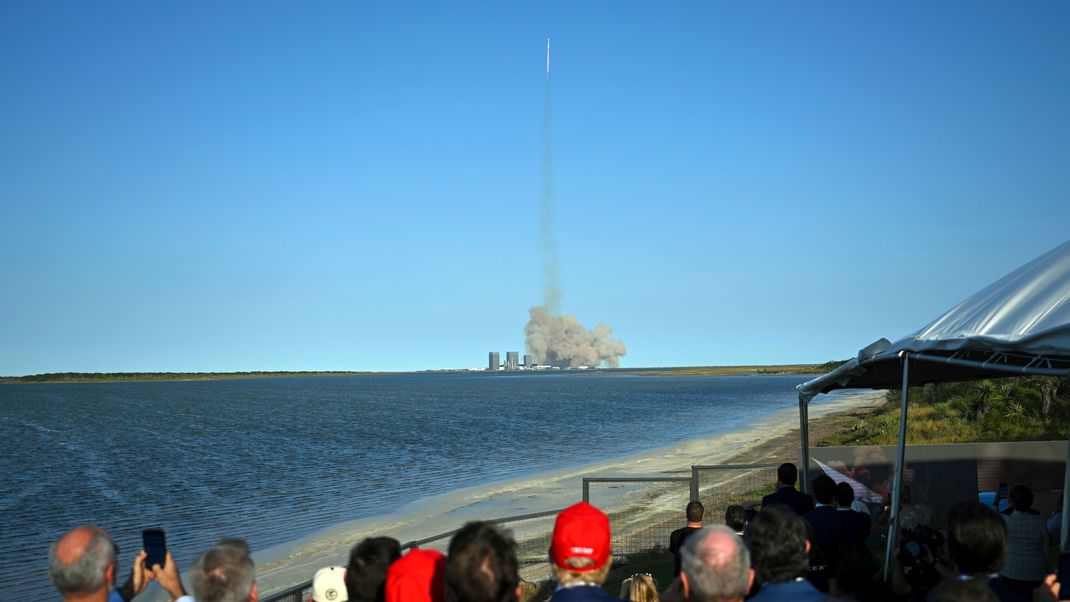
x,y
329,585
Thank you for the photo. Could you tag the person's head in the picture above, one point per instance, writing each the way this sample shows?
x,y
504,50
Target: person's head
x,y
787,474
1021,498
963,590
368,563
845,495
715,566
824,489
225,573
735,516
328,585
976,538
482,565
417,577
695,511
640,587
82,562
529,592
580,546
779,548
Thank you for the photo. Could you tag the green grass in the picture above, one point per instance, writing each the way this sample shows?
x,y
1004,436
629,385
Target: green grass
x,y
1014,409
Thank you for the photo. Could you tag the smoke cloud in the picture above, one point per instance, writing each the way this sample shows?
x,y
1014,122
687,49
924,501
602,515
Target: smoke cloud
x,y
560,340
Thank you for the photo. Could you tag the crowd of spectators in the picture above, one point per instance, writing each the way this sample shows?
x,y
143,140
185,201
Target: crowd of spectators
x,y
798,547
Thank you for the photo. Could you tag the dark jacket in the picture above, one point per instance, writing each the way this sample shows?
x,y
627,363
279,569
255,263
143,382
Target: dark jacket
x,y
677,539
790,591
831,535
582,593
801,503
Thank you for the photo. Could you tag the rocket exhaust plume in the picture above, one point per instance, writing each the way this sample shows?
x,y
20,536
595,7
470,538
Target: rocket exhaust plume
x,y
551,338
552,284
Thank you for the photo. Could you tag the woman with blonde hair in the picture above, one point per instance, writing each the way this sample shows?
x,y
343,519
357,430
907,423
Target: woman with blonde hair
x,y
640,587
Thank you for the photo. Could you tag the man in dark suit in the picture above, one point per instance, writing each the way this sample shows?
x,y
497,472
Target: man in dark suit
x,y
786,476
677,538
830,528
858,523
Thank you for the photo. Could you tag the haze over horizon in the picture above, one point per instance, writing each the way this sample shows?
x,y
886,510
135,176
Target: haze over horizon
x,y
259,186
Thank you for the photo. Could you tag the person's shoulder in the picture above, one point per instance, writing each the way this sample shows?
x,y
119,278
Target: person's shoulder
x,y
580,593
1004,593
791,590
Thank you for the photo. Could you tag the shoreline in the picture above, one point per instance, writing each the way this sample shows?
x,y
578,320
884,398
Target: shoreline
x,y
774,436
55,378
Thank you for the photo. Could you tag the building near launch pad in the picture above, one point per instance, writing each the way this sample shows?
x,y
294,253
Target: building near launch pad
x,y
512,362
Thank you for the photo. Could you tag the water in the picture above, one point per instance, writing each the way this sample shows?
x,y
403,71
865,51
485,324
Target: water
x,y
274,460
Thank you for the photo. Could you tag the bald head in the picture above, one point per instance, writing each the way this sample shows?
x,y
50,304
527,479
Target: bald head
x,y
715,565
82,561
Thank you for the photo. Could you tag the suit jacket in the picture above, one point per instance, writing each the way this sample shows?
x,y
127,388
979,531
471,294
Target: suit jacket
x,y
830,534
801,503
858,528
677,539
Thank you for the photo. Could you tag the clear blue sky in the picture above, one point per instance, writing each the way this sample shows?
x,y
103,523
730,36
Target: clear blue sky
x,y
356,186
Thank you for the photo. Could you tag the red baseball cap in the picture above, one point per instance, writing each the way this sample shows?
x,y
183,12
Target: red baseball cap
x,y
581,530
417,577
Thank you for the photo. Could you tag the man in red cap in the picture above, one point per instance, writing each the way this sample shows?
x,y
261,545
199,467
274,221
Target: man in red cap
x,y
580,554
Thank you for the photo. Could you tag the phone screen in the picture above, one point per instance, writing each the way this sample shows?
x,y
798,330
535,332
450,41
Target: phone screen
x,y
1063,576
155,546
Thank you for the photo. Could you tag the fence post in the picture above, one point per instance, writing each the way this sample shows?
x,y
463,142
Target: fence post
x,y
586,490
694,483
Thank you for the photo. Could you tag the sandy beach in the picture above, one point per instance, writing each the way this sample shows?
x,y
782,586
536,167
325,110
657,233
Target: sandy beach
x,y
774,438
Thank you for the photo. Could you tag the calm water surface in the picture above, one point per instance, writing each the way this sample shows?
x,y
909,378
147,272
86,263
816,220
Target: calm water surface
x,y
277,459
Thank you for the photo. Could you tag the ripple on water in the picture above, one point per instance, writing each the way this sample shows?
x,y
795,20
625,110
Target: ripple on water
x,y
278,459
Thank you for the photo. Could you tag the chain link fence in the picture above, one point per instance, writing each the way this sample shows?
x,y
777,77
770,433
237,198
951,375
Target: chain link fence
x,y
722,485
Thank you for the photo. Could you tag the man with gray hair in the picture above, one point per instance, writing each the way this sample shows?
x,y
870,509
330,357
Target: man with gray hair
x,y
224,574
82,566
715,566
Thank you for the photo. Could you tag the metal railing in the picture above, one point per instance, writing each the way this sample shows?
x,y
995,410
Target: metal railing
x,y
640,528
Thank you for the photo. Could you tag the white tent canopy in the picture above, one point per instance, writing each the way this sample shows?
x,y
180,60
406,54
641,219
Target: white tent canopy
x,y
1018,325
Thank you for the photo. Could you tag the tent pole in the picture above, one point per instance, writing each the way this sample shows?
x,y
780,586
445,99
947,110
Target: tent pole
x,y
1064,528
804,437
897,482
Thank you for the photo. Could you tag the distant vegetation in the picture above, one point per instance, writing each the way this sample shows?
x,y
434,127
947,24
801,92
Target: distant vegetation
x,y
82,377
739,370
1032,408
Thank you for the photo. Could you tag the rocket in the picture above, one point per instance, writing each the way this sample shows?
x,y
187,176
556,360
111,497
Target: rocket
x,y
547,58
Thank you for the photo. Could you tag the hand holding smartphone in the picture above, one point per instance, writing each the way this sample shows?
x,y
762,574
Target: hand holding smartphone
x,y
154,543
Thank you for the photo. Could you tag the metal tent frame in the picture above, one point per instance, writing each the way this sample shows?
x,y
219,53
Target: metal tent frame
x,y
1017,326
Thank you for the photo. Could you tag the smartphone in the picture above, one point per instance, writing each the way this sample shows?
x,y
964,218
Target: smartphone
x,y
1002,493
155,545
1063,576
